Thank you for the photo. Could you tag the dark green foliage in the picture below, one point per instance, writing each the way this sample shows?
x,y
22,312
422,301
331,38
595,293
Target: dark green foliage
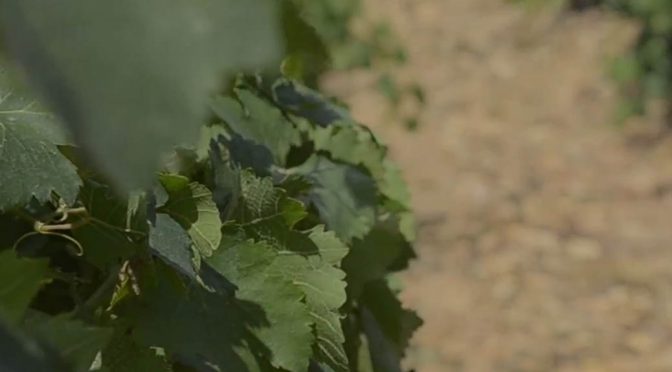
x,y
265,245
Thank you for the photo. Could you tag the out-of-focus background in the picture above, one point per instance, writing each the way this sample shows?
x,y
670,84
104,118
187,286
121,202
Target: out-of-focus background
x,y
541,173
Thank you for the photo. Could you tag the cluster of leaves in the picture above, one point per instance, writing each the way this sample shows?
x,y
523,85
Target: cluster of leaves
x,y
137,234
325,40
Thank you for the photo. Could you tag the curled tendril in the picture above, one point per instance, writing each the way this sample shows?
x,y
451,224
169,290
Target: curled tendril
x,y
64,212
52,230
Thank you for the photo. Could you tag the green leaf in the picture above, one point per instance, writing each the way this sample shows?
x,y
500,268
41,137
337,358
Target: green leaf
x,y
253,266
200,328
275,232
30,163
263,277
371,258
325,290
136,211
77,342
192,205
324,286
259,121
387,325
396,323
123,354
344,196
307,103
20,280
353,144
226,182
109,233
172,184
356,145
392,185
173,245
132,78
332,249
292,211
379,350
259,198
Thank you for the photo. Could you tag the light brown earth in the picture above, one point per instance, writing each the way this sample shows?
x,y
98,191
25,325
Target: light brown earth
x,y
546,230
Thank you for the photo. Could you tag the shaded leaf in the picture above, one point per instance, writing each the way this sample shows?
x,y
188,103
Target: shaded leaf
x,y
263,277
344,196
77,342
123,354
192,205
373,257
172,244
226,183
396,323
307,103
252,266
259,121
206,328
20,280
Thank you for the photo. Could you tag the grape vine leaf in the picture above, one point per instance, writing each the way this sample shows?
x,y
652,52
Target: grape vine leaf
x,y
332,249
192,205
380,350
173,245
307,103
259,198
206,328
132,78
77,342
226,182
262,276
30,163
324,287
278,257
372,257
345,196
20,280
334,131
353,144
395,189
356,145
396,323
325,294
123,354
259,121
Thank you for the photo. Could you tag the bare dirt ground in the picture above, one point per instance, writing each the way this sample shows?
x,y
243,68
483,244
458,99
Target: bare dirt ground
x,y
546,230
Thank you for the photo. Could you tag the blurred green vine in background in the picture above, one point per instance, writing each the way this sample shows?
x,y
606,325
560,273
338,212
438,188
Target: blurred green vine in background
x,y
335,35
644,74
